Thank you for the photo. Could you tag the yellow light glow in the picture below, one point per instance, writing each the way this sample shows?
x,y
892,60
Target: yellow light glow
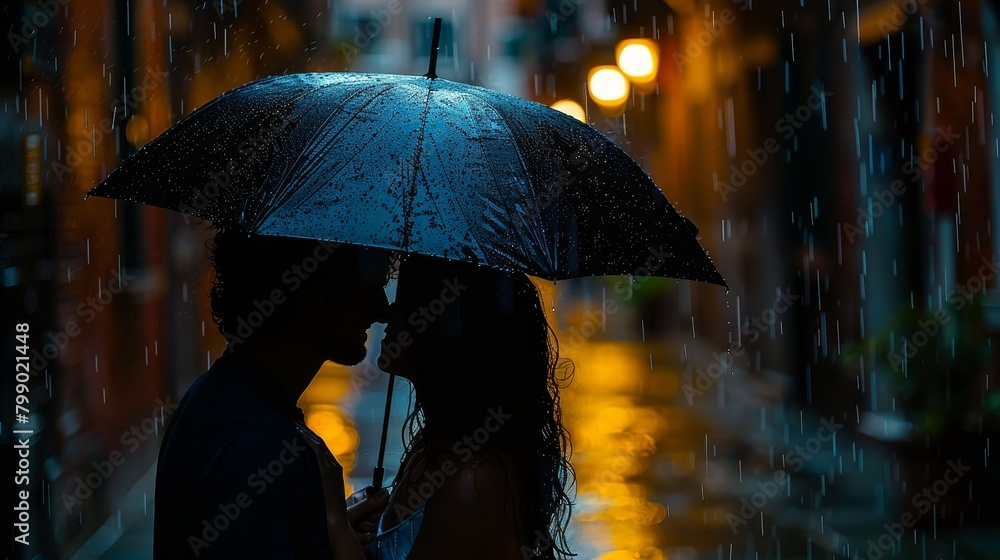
x,y
639,59
333,427
608,86
613,419
137,130
571,108
646,553
330,385
636,61
336,429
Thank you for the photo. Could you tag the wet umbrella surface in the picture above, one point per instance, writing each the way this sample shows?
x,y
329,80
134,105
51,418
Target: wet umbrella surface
x,y
419,165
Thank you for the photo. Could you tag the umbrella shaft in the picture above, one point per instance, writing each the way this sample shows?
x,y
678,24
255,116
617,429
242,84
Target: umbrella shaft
x,y
379,471
432,67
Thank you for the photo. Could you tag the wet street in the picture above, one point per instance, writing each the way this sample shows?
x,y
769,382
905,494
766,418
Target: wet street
x,y
663,472
668,467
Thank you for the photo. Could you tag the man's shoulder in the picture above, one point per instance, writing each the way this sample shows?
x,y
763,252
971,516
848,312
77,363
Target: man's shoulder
x,y
220,398
215,417
261,434
265,444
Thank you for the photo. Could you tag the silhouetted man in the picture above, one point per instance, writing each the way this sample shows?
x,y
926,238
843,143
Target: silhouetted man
x,y
239,474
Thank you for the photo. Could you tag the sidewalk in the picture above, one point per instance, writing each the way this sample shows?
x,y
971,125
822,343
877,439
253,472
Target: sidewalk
x,y
127,535
834,499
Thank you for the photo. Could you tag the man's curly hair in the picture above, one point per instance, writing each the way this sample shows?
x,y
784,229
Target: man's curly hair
x,y
249,268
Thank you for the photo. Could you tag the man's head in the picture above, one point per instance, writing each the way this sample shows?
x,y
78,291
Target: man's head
x,y
324,294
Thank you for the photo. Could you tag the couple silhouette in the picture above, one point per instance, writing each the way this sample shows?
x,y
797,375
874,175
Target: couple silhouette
x,y
485,468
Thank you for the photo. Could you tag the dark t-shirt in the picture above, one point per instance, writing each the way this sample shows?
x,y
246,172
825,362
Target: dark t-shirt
x,y
234,478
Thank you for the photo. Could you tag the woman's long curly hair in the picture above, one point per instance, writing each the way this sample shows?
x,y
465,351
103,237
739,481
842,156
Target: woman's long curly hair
x,y
498,315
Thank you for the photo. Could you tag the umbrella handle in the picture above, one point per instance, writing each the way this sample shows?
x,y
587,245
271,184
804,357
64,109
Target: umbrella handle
x,y
432,67
379,473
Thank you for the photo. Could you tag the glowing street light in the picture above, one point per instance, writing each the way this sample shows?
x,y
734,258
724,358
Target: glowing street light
x,y
608,87
639,59
571,108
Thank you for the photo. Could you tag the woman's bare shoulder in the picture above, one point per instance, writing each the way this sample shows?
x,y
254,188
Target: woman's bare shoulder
x,y
489,473
474,507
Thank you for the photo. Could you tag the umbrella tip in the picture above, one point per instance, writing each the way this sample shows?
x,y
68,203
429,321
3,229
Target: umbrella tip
x,y
435,39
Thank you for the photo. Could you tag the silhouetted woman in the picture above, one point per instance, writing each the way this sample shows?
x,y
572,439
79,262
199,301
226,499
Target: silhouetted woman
x,y
485,469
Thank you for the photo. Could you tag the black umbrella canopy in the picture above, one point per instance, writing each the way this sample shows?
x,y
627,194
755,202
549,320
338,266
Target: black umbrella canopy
x,y
416,164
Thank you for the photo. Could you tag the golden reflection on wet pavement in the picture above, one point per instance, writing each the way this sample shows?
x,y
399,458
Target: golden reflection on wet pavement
x,y
639,449
621,441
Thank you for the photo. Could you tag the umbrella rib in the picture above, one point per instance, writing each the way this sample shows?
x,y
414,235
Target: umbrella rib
x,y
408,201
451,189
503,201
285,190
527,174
260,194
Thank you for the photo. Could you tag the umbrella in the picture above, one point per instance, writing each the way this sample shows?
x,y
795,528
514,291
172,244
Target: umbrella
x,y
417,164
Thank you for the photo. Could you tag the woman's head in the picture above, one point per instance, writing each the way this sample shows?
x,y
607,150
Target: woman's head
x,y
476,345
449,315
